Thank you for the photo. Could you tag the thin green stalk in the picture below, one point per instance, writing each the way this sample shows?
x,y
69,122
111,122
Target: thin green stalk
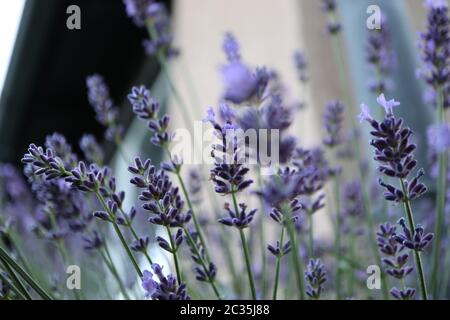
x,y
62,249
311,235
165,68
202,262
25,276
134,233
277,268
114,272
262,239
119,234
441,195
16,280
296,258
417,255
194,216
245,249
122,152
337,199
12,286
340,62
16,250
174,253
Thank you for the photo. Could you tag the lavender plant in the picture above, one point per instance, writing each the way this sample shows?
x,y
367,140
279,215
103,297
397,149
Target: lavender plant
x,y
62,208
395,154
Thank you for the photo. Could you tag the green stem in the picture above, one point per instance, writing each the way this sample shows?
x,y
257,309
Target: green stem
x,y
296,258
417,255
174,253
61,248
202,262
245,249
28,279
114,272
134,233
194,216
262,239
277,268
311,235
165,68
12,286
340,62
337,200
16,280
119,234
441,195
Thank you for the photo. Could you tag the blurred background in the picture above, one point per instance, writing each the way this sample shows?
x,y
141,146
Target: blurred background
x,y
43,65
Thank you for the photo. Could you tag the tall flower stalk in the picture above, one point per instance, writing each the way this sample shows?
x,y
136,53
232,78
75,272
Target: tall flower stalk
x,y
435,47
229,177
395,154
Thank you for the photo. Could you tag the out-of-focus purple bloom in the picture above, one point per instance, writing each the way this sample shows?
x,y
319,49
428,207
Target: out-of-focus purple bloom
x,y
195,186
231,47
167,287
93,153
241,84
274,117
394,152
93,242
282,187
150,286
203,274
138,10
315,277
106,112
416,240
381,57
352,199
435,46
161,37
333,119
61,148
301,65
439,137
330,7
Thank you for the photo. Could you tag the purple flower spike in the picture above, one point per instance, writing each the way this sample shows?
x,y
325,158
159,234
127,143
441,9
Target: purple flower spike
x,y
417,241
240,219
315,277
333,119
395,258
165,289
106,112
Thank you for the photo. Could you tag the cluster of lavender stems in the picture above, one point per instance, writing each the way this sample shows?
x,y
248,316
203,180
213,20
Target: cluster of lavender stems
x,y
435,48
71,202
